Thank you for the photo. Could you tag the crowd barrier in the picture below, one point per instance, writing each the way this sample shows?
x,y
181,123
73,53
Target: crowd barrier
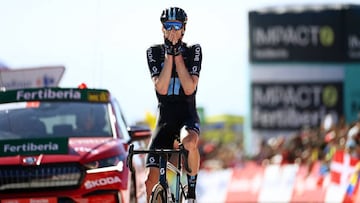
x,y
289,183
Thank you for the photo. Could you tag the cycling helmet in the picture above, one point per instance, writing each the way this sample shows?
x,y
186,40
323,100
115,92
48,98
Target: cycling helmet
x,y
173,13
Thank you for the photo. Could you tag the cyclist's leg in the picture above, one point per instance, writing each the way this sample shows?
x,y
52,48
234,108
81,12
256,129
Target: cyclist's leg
x,y
151,180
189,137
160,140
172,158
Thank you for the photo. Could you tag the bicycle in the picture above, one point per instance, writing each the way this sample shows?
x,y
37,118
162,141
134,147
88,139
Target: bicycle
x,y
161,192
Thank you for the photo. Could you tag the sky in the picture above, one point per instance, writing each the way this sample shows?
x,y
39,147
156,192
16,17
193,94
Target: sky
x,y
103,43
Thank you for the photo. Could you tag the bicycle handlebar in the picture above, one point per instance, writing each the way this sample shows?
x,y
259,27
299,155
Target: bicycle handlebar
x,y
182,151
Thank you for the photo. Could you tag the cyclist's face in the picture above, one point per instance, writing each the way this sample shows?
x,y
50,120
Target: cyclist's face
x,y
174,30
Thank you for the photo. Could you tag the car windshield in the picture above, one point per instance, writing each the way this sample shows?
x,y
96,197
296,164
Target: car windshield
x,y
54,119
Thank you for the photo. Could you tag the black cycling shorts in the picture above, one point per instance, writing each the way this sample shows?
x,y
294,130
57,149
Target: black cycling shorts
x,y
164,137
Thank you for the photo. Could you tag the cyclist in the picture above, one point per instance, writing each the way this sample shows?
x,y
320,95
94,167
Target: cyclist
x,y
175,67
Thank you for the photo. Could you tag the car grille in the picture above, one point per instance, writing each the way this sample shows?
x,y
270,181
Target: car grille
x,y
39,177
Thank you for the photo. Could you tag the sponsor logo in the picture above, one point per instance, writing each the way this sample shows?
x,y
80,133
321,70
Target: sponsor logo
x,y
34,146
48,94
152,159
301,96
330,96
354,47
30,147
162,171
45,81
39,201
86,150
102,182
155,70
353,42
294,105
150,55
301,36
14,84
327,36
197,54
194,69
29,160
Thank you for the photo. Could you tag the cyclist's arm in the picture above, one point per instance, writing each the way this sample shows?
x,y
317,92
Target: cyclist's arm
x,y
188,82
189,78
160,75
162,81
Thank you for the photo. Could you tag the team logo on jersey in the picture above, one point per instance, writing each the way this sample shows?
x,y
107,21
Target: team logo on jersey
x,y
150,56
197,53
162,171
194,69
155,70
152,160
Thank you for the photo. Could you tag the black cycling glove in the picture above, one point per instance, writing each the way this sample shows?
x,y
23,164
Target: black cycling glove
x,y
177,48
172,49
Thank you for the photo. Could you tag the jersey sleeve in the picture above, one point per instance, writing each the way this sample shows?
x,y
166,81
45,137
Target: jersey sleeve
x,y
153,55
196,59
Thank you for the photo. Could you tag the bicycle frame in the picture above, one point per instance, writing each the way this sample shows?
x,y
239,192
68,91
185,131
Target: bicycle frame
x,y
164,165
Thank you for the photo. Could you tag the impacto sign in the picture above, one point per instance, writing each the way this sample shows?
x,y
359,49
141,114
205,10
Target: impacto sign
x,y
324,34
294,105
34,146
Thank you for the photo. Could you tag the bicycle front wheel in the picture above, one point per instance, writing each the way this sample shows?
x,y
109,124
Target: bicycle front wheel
x,y
183,193
158,194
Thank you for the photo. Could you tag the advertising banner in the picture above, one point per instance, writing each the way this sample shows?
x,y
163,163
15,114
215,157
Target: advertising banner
x,y
353,33
48,76
294,105
307,34
34,146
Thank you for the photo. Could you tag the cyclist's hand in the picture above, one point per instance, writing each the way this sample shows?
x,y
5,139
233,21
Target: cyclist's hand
x,y
171,49
177,48
173,36
173,42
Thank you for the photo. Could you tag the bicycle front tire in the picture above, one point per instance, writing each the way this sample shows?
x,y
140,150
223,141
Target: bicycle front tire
x,y
183,193
158,194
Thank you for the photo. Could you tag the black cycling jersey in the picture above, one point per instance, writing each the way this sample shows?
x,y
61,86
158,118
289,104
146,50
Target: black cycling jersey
x,y
175,109
175,105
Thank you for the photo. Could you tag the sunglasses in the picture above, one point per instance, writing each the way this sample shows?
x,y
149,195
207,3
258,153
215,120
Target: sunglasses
x,y
175,25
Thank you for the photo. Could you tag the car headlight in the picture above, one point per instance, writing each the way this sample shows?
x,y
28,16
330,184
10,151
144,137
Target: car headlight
x,y
115,161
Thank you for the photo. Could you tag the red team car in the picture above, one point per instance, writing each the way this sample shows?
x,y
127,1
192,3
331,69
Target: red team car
x,y
67,145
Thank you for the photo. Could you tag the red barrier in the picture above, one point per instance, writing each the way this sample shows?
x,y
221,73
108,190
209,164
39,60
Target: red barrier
x,y
289,183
